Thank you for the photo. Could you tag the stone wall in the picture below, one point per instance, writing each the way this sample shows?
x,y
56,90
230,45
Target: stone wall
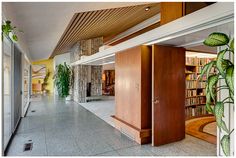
x,y
83,74
96,80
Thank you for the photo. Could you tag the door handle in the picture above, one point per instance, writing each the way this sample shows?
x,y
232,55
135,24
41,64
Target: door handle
x,y
156,100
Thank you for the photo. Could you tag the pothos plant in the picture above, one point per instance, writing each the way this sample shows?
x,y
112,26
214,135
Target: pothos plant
x,y
10,31
63,78
224,73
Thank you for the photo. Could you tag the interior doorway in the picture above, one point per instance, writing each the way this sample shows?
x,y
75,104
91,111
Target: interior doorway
x,y
199,123
108,79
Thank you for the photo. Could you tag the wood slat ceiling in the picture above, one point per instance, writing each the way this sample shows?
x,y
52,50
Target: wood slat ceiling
x,y
108,22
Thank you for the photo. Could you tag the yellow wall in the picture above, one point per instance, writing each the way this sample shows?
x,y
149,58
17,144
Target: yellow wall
x,y
49,67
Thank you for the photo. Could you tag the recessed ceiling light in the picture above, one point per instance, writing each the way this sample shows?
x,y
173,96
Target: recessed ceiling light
x,y
147,8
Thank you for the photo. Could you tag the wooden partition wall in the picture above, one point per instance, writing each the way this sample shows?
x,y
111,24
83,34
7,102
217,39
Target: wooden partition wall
x,y
144,74
133,93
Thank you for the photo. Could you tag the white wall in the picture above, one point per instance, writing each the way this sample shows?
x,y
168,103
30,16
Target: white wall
x,y
60,59
9,14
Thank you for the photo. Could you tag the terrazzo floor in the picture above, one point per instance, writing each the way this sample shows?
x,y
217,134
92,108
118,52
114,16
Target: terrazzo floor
x,y
64,128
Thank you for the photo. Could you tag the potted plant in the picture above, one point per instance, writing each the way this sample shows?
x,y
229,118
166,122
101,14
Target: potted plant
x,y
225,73
9,30
63,78
45,82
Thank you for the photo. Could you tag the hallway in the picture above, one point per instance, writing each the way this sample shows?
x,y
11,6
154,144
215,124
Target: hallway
x,y
61,128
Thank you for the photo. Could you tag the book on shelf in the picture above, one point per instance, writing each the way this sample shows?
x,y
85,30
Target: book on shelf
x,y
192,101
203,61
195,88
190,84
191,93
195,111
191,61
201,84
198,100
192,77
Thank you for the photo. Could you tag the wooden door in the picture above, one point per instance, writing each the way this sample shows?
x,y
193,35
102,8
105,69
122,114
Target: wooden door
x,y
168,94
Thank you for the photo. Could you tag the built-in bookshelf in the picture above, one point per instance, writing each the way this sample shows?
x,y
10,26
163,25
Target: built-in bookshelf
x,y
195,89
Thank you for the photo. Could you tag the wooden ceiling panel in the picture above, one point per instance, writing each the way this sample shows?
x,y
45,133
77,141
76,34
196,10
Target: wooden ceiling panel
x,y
103,23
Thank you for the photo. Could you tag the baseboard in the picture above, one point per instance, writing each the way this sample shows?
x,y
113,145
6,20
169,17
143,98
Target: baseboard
x,y
141,136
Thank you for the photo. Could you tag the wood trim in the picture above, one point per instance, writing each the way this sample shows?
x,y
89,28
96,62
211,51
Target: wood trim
x,y
141,136
171,11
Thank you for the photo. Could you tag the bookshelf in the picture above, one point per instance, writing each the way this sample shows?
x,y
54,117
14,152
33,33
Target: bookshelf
x,y
195,89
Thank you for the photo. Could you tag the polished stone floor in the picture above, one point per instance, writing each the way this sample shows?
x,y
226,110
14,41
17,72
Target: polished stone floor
x,y
65,128
104,108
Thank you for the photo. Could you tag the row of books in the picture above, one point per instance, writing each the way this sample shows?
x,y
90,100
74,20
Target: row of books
x,y
190,84
199,69
192,77
201,84
195,101
203,61
197,61
191,93
195,111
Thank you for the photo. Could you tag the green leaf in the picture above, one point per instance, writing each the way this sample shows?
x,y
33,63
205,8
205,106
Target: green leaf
x,y
203,71
231,45
230,78
219,112
216,39
209,109
8,22
14,37
211,82
219,109
208,101
223,126
225,144
221,64
211,64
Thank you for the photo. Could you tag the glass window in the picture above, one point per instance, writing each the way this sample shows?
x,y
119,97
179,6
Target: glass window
x,y
7,50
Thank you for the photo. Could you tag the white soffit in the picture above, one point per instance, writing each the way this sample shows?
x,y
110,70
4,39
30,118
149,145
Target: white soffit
x,y
186,31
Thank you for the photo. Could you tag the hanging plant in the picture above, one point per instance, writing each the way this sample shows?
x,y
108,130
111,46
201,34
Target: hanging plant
x,y
63,78
225,72
9,30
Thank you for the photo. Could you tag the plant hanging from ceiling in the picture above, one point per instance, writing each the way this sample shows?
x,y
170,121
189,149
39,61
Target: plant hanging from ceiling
x,y
224,74
10,31
63,78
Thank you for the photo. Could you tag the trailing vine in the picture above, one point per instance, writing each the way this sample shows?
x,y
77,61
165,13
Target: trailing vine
x,y
9,30
224,73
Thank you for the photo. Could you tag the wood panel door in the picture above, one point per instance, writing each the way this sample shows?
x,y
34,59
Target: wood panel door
x,y
168,94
